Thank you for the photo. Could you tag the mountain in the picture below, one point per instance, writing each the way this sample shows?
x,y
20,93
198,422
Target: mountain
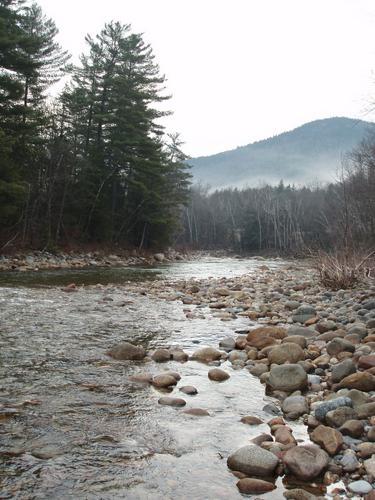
x,y
310,153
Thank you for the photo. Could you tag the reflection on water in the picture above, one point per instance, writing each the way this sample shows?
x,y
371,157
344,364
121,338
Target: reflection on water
x,y
72,425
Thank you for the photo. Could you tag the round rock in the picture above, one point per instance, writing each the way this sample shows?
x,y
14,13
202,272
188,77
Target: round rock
x,y
253,460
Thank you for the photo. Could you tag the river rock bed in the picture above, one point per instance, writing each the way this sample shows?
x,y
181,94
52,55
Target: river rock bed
x,y
313,349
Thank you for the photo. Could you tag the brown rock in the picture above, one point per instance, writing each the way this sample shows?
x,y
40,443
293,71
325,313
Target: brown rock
x,y
250,485
284,436
337,418
127,351
196,412
265,335
306,462
189,389
366,450
207,355
251,420
328,438
363,381
283,353
163,380
366,362
143,378
353,428
218,375
168,401
161,355
366,410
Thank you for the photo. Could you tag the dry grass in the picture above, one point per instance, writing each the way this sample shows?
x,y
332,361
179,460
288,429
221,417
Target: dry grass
x,y
342,270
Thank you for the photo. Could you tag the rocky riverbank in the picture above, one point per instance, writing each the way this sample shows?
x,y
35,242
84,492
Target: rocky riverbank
x,y
313,349
41,260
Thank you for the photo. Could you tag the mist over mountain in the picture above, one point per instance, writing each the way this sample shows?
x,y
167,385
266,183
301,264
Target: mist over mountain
x,y
308,154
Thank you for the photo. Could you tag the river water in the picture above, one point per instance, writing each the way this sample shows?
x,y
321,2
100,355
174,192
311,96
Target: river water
x,y
72,425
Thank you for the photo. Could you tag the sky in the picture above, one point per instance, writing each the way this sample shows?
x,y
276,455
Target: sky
x,y
243,70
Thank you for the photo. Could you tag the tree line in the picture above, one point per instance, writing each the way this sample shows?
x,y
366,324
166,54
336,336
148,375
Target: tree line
x,y
93,164
288,219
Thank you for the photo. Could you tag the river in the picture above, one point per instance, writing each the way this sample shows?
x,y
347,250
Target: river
x,y
73,426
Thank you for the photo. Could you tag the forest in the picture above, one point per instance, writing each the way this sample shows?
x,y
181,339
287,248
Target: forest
x,y
94,165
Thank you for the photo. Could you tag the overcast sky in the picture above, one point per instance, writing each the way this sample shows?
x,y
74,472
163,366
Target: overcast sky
x,y
243,70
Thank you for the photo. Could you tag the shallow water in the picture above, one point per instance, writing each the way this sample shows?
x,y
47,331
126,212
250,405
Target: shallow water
x,y
71,423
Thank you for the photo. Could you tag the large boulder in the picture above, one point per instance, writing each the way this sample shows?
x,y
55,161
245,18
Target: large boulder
x,y
127,351
287,378
283,353
306,462
253,461
265,336
329,439
207,355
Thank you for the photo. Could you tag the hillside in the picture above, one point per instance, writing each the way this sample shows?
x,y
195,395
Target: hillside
x,y
309,153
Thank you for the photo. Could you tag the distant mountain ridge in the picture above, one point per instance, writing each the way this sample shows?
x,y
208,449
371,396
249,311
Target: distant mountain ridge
x,y
310,153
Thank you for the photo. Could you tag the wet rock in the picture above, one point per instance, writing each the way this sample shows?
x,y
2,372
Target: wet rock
x,y
338,345
286,353
251,420
262,438
323,408
271,409
161,355
360,487
179,355
265,336
306,462
353,428
228,344
253,460
47,452
338,417
163,380
218,375
342,370
299,494
287,378
237,356
169,401
189,389
127,351
258,369
329,439
143,378
207,355
175,375
249,486
295,406
159,257
196,412
363,381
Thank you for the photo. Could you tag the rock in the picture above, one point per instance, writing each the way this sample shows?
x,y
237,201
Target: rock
x,y
179,355
358,329
258,369
360,487
127,351
175,375
369,304
251,420
336,418
366,449
159,257
366,410
196,412
228,344
295,339
143,378
342,370
328,438
253,460
295,406
302,331
286,353
303,313
238,356
353,428
222,292
306,462
262,438
323,408
349,461
271,409
169,401
207,355
287,378
161,355
218,375
366,362
371,434
284,436
370,496
325,326
299,494
370,467
358,397
189,389
163,380
363,381
338,345
249,486
265,336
